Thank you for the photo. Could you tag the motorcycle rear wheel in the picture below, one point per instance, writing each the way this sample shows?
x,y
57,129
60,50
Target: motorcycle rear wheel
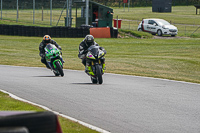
x,y
99,74
59,68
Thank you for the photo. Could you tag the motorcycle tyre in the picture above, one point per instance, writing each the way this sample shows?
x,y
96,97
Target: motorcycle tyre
x,y
94,81
56,74
99,74
59,68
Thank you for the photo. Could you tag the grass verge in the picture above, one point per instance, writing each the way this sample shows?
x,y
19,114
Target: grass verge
x,y
67,126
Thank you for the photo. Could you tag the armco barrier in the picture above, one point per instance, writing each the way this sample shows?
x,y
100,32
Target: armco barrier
x,y
21,30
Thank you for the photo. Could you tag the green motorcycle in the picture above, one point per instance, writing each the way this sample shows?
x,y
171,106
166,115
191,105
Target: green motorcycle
x,y
54,59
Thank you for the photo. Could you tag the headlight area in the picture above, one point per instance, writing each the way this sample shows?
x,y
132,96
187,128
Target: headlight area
x,y
169,31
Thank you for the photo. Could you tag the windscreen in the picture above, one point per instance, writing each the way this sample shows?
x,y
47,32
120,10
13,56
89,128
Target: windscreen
x,y
163,22
93,49
50,46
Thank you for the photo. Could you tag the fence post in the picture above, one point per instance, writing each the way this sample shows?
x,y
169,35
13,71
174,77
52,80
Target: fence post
x,y
33,11
87,11
117,21
1,9
42,13
50,12
67,13
17,11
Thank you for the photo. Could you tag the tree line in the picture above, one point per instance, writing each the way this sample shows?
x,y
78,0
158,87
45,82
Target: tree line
x,y
143,3
24,4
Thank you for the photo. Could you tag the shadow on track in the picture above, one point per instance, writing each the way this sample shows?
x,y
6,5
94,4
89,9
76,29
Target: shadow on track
x,y
47,76
84,84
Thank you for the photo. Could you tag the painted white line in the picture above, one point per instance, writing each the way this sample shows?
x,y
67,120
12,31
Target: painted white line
x,y
67,117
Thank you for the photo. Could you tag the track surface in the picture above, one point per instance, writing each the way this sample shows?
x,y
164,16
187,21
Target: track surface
x,y
122,104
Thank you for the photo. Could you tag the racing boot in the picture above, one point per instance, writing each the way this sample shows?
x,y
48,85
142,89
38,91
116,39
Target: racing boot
x,y
47,65
103,68
62,60
88,69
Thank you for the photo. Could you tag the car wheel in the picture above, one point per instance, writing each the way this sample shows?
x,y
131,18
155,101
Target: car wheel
x,y
159,32
139,29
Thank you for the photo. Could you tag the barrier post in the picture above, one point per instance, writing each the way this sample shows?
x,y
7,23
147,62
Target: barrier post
x,y
1,9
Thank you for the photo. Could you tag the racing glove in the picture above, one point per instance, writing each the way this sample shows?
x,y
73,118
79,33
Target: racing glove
x,y
42,55
59,48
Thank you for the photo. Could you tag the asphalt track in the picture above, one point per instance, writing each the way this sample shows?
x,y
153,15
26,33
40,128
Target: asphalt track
x,y
122,104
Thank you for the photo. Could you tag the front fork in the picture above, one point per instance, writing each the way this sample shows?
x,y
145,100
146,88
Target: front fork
x,y
59,60
97,63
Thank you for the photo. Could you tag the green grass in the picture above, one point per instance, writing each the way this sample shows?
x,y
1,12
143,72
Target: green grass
x,y
176,59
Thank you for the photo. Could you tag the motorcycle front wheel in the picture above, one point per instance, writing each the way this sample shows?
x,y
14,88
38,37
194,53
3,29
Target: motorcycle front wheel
x,y
99,74
94,80
59,68
56,74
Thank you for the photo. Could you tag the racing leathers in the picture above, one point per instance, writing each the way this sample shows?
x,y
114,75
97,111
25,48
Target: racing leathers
x,y
42,51
83,49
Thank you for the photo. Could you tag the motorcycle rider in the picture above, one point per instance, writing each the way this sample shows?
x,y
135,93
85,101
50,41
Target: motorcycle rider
x,y
83,49
46,39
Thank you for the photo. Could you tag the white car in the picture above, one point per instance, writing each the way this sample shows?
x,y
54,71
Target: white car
x,y
157,26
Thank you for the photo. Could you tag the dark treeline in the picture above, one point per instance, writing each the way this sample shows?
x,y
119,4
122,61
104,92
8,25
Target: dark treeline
x,y
28,4
143,3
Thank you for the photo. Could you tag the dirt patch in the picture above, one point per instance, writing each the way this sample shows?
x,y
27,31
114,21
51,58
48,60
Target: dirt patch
x,y
128,35
167,37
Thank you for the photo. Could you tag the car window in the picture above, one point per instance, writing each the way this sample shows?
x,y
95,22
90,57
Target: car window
x,y
151,22
163,22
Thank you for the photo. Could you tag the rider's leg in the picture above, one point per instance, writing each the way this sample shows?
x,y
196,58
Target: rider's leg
x,y
43,60
103,64
88,68
84,62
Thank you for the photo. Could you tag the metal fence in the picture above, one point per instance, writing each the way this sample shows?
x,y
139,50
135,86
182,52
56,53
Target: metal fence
x,y
142,3
53,13
44,12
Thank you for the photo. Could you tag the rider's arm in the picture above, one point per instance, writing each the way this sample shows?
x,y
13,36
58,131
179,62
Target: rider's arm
x,y
55,43
103,50
82,50
100,47
41,49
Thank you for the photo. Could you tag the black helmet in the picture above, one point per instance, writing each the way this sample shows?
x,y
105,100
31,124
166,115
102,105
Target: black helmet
x,y
47,38
89,40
